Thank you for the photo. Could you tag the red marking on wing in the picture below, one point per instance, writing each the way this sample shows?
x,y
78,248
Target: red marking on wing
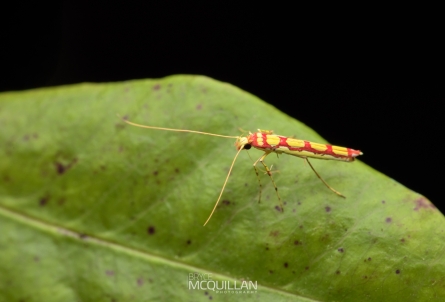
x,y
283,142
329,149
265,143
354,153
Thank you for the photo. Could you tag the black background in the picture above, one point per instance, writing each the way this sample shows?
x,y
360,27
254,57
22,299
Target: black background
x,y
370,78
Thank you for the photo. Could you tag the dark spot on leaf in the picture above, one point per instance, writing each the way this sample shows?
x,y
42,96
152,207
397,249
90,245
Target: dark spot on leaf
x,y
83,236
6,178
210,298
109,273
140,281
176,170
388,219
341,250
369,259
301,226
103,168
198,107
36,259
267,248
397,271
286,265
423,203
402,240
151,230
26,137
297,242
327,209
206,293
337,272
156,87
306,268
189,241
35,135
274,233
270,271
43,201
383,201
155,173
61,168
299,203
365,277
279,208
226,202
61,201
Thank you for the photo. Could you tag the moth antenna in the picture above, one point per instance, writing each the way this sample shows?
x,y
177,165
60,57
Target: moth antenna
x,y
175,130
224,185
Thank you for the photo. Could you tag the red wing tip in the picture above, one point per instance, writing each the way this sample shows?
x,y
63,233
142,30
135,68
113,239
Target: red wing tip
x,y
356,153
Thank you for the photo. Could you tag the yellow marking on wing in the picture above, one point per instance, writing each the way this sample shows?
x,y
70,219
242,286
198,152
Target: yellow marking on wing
x,y
272,140
260,141
340,150
296,143
319,147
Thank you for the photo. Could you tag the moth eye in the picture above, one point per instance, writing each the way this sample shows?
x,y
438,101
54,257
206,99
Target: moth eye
x,y
247,146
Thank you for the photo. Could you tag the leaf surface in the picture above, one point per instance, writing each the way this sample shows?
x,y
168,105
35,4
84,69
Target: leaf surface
x,y
93,209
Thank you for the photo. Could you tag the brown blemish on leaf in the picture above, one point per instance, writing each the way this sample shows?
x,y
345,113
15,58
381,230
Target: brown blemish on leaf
x,y
198,107
306,268
61,201
151,230
388,220
337,272
274,233
297,242
61,168
383,201
155,173
226,202
402,240
43,201
341,250
176,170
36,259
369,258
83,236
189,242
327,209
279,209
109,273
397,271
156,87
423,203
140,281
270,271
286,264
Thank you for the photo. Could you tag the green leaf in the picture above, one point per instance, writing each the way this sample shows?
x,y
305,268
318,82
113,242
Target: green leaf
x,y
93,209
